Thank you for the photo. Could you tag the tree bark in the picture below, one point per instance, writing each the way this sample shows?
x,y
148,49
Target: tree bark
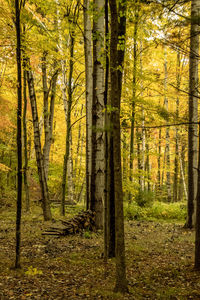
x,y
26,184
193,113
37,142
68,124
89,95
19,134
134,93
121,282
167,145
98,139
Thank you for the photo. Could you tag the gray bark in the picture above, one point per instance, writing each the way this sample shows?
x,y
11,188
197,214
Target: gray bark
x,y
98,167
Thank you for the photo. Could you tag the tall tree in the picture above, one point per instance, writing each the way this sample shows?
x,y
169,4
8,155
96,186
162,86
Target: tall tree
x,y
116,58
98,167
37,142
193,112
19,133
167,145
135,58
89,92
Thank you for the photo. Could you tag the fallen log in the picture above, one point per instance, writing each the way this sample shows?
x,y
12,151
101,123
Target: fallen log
x,y
85,220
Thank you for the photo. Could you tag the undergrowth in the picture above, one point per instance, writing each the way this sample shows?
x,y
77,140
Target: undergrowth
x,y
157,211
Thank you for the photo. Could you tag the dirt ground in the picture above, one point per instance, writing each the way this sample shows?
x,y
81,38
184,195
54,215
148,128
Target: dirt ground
x,y
159,259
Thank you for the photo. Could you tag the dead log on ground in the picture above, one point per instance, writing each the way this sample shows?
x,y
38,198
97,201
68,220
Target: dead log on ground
x,y
85,220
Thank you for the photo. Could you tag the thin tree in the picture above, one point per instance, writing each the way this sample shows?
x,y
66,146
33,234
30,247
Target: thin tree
x,y
89,93
19,134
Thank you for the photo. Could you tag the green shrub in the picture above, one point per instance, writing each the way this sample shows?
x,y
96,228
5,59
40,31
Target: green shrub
x,y
145,198
158,210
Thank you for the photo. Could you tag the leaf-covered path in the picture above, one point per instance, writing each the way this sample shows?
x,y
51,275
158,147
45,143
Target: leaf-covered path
x,y
159,263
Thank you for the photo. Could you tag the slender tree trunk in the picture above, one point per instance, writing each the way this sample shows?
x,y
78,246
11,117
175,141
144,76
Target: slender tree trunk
x,y
193,113
48,113
167,146
148,163
89,95
37,142
176,164
134,93
143,123
68,125
182,183
138,137
19,134
107,177
98,139
26,184
159,158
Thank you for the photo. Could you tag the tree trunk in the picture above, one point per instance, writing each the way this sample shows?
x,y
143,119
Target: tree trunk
x,y
176,164
134,93
19,135
37,142
26,184
121,282
89,95
68,106
48,113
167,146
107,177
98,167
193,113
159,159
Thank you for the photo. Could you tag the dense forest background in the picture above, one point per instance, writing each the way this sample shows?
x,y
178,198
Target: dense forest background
x,y
99,112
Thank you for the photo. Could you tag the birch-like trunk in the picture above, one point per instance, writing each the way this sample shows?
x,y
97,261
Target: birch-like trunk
x,y
89,95
193,113
37,142
98,167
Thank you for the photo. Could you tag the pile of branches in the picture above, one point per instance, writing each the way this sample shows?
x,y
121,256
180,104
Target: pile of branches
x,y
85,220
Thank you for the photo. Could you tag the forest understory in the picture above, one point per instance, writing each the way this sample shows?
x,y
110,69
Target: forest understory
x,y
159,259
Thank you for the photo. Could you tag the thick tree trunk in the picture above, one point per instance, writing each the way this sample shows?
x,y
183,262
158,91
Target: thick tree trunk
x,y
98,167
121,282
89,95
19,134
193,113
37,142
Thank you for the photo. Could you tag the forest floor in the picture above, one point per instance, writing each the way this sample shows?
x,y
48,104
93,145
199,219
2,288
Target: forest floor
x,y
159,259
